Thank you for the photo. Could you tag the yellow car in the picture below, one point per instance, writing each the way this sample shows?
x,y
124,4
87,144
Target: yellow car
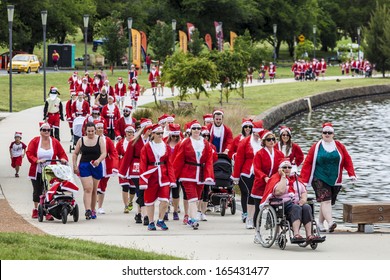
x,y
25,63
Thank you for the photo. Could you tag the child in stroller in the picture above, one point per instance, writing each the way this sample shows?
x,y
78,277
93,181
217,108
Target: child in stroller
x,y
58,199
78,123
222,193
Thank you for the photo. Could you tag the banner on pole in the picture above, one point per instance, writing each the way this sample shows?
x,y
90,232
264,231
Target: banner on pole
x,y
144,44
233,37
183,41
136,50
209,41
219,34
190,30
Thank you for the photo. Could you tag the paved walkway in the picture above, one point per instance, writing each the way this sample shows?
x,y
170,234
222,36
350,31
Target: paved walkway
x,y
218,238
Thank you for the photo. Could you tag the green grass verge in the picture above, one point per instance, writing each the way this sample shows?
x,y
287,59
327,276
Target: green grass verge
x,y
21,246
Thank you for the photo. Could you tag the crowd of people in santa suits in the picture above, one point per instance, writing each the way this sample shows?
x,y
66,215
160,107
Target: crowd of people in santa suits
x,y
358,67
263,70
309,70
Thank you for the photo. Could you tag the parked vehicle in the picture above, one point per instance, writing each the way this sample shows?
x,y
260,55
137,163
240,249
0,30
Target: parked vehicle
x,y
25,63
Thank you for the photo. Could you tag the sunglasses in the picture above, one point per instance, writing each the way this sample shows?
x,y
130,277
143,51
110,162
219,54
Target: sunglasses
x,y
270,139
285,135
126,111
159,133
327,132
247,126
196,128
45,130
286,167
175,136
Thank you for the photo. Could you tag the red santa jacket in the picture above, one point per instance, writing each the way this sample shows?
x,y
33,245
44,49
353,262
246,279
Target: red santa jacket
x,y
149,165
91,119
83,109
234,145
68,110
109,90
111,116
134,91
265,165
121,125
188,168
295,156
120,91
226,138
309,165
244,160
86,88
72,83
32,154
130,164
153,78
97,85
110,163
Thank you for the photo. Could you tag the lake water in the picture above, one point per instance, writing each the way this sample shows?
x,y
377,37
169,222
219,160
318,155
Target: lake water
x,y
364,128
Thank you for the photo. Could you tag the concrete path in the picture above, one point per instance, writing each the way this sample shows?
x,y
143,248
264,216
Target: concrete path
x,y
218,238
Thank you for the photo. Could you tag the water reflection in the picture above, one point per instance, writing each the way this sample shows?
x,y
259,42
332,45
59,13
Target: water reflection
x,y
363,127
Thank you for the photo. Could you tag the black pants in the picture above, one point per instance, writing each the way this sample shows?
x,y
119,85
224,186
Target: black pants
x,y
246,185
257,210
37,187
140,193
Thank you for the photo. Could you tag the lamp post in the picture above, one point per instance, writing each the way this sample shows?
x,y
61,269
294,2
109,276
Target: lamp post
x,y
44,22
174,33
314,34
86,20
129,26
10,11
275,27
358,33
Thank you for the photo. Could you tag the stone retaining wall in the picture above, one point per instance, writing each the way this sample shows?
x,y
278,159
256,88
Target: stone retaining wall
x,y
278,114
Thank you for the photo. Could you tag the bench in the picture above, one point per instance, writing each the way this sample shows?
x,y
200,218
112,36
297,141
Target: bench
x,y
168,104
366,213
185,105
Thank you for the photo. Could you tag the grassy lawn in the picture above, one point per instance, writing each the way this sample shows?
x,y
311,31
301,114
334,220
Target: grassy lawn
x,y
19,246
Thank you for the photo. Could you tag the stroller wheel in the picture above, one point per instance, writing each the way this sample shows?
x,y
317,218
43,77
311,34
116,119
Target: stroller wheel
x,y
64,214
233,206
40,213
223,206
75,213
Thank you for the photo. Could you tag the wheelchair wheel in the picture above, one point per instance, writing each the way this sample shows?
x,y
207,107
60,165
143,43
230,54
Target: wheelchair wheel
x,y
313,245
40,213
233,206
75,213
223,206
282,241
266,226
64,214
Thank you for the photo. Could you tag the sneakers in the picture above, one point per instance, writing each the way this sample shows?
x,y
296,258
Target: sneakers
x,y
34,214
332,227
203,217
256,240
126,210
93,214
138,218
249,223
101,211
88,214
193,223
151,226
199,216
49,217
130,206
16,175
244,216
165,217
175,216
162,225
321,227
146,220
185,220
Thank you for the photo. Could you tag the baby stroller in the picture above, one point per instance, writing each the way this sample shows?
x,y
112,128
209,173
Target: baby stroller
x,y
222,193
78,123
59,187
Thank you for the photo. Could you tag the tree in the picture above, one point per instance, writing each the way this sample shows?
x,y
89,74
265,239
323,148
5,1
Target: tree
x,y
377,38
160,40
114,47
196,45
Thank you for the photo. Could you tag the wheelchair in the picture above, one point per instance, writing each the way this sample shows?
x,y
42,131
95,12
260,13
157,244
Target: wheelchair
x,y
272,225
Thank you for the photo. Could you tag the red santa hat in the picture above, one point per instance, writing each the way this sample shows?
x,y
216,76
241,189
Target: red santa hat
x,y
128,108
54,90
265,133
327,127
208,117
174,129
75,73
18,134
85,79
170,118
44,124
106,82
187,127
246,121
157,128
134,78
258,126
73,93
111,97
284,128
195,123
95,109
80,93
284,162
218,111
205,130
86,73
120,79
129,127
98,123
162,119
145,122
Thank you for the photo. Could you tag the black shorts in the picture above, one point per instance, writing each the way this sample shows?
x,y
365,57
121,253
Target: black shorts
x,y
325,192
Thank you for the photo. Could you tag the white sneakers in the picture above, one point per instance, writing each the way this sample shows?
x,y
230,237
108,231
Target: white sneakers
x,y
256,240
249,223
201,217
101,211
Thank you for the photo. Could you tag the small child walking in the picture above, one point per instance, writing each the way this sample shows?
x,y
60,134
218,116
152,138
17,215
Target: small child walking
x,y
17,151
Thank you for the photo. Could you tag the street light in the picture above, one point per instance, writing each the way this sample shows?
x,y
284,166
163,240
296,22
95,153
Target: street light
x,y
44,22
10,11
314,33
275,27
129,26
174,33
86,20
358,33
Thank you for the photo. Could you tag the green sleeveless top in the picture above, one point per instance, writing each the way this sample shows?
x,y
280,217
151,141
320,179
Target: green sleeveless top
x,y
327,166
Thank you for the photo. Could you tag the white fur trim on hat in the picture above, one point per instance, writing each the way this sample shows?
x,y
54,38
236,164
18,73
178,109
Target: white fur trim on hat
x,y
175,132
328,128
18,134
247,123
285,162
129,128
257,129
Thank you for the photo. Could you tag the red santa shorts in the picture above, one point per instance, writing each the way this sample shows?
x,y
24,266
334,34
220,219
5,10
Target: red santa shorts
x,y
16,161
193,190
103,185
54,119
155,192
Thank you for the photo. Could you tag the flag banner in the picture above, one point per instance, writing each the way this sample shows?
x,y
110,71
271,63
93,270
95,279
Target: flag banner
x,y
233,37
144,44
219,35
183,41
136,50
209,41
190,29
